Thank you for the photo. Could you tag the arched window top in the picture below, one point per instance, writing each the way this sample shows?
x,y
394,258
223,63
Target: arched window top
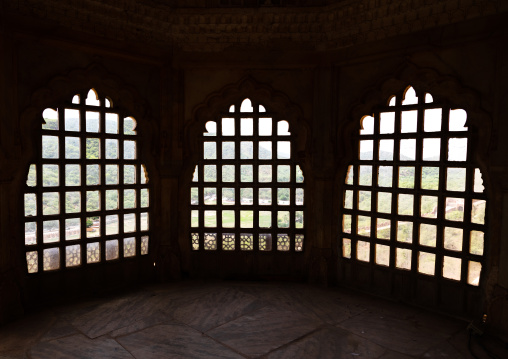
x,y
414,199
246,106
211,128
247,125
92,98
283,128
247,190
50,117
410,97
129,126
367,125
264,127
86,198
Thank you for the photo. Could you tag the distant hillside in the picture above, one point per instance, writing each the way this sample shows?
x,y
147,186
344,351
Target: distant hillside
x,y
246,152
388,156
72,150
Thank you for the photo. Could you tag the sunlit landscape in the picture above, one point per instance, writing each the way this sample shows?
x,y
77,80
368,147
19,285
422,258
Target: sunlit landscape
x,y
248,183
411,174
80,153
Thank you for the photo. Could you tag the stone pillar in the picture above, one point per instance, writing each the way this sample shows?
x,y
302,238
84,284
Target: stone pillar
x,y
168,254
321,184
496,250
497,269
10,298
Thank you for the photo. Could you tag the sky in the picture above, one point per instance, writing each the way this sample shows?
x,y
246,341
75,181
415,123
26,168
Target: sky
x,y
246,127
432,123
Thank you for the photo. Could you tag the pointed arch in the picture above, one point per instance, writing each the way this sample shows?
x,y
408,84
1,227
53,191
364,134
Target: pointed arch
x,y
248,187
92,98
62,89
443,89
413,201
86,197
70,91
275,102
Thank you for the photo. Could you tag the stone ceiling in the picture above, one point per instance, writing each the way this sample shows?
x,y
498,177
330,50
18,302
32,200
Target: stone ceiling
x,y
242,3
206,26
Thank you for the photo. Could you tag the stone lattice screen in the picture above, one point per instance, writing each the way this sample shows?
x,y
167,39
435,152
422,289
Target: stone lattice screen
x,y
247,191
413,199
86,198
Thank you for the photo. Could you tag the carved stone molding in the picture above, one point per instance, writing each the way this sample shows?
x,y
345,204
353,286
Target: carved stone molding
x,y
335,26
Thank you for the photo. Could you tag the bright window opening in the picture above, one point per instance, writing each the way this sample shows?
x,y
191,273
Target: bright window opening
x,y
86,198
247,192
413,199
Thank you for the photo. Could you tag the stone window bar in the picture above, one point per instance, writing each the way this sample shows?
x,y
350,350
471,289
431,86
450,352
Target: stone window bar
x,y
86,198
247,192
414,199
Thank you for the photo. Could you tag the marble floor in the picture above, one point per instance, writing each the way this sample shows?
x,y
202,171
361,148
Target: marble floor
x,y
197,319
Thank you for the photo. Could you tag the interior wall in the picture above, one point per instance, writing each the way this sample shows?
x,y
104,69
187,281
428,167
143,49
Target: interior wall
x,y
327,86
29,88
477,67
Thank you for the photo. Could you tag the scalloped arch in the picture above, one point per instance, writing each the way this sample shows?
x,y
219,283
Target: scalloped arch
x,y
444,89
62,88
274,101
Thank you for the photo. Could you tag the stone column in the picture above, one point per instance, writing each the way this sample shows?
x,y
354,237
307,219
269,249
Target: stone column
x,y
10,243
168,256
321,183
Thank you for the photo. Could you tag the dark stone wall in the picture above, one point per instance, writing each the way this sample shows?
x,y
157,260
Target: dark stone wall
x,y
164,87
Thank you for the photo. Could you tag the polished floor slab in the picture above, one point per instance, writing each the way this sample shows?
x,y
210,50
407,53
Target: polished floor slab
x,y
227,319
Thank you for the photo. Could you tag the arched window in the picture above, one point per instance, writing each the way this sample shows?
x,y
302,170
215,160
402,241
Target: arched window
x,y
247,190
414,199
86,197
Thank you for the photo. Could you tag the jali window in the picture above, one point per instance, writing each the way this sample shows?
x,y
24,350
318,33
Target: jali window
x,y
413,198
86,197
247,192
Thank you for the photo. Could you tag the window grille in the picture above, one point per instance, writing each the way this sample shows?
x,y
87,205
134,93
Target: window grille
x,y
86,197
247,192
414,199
